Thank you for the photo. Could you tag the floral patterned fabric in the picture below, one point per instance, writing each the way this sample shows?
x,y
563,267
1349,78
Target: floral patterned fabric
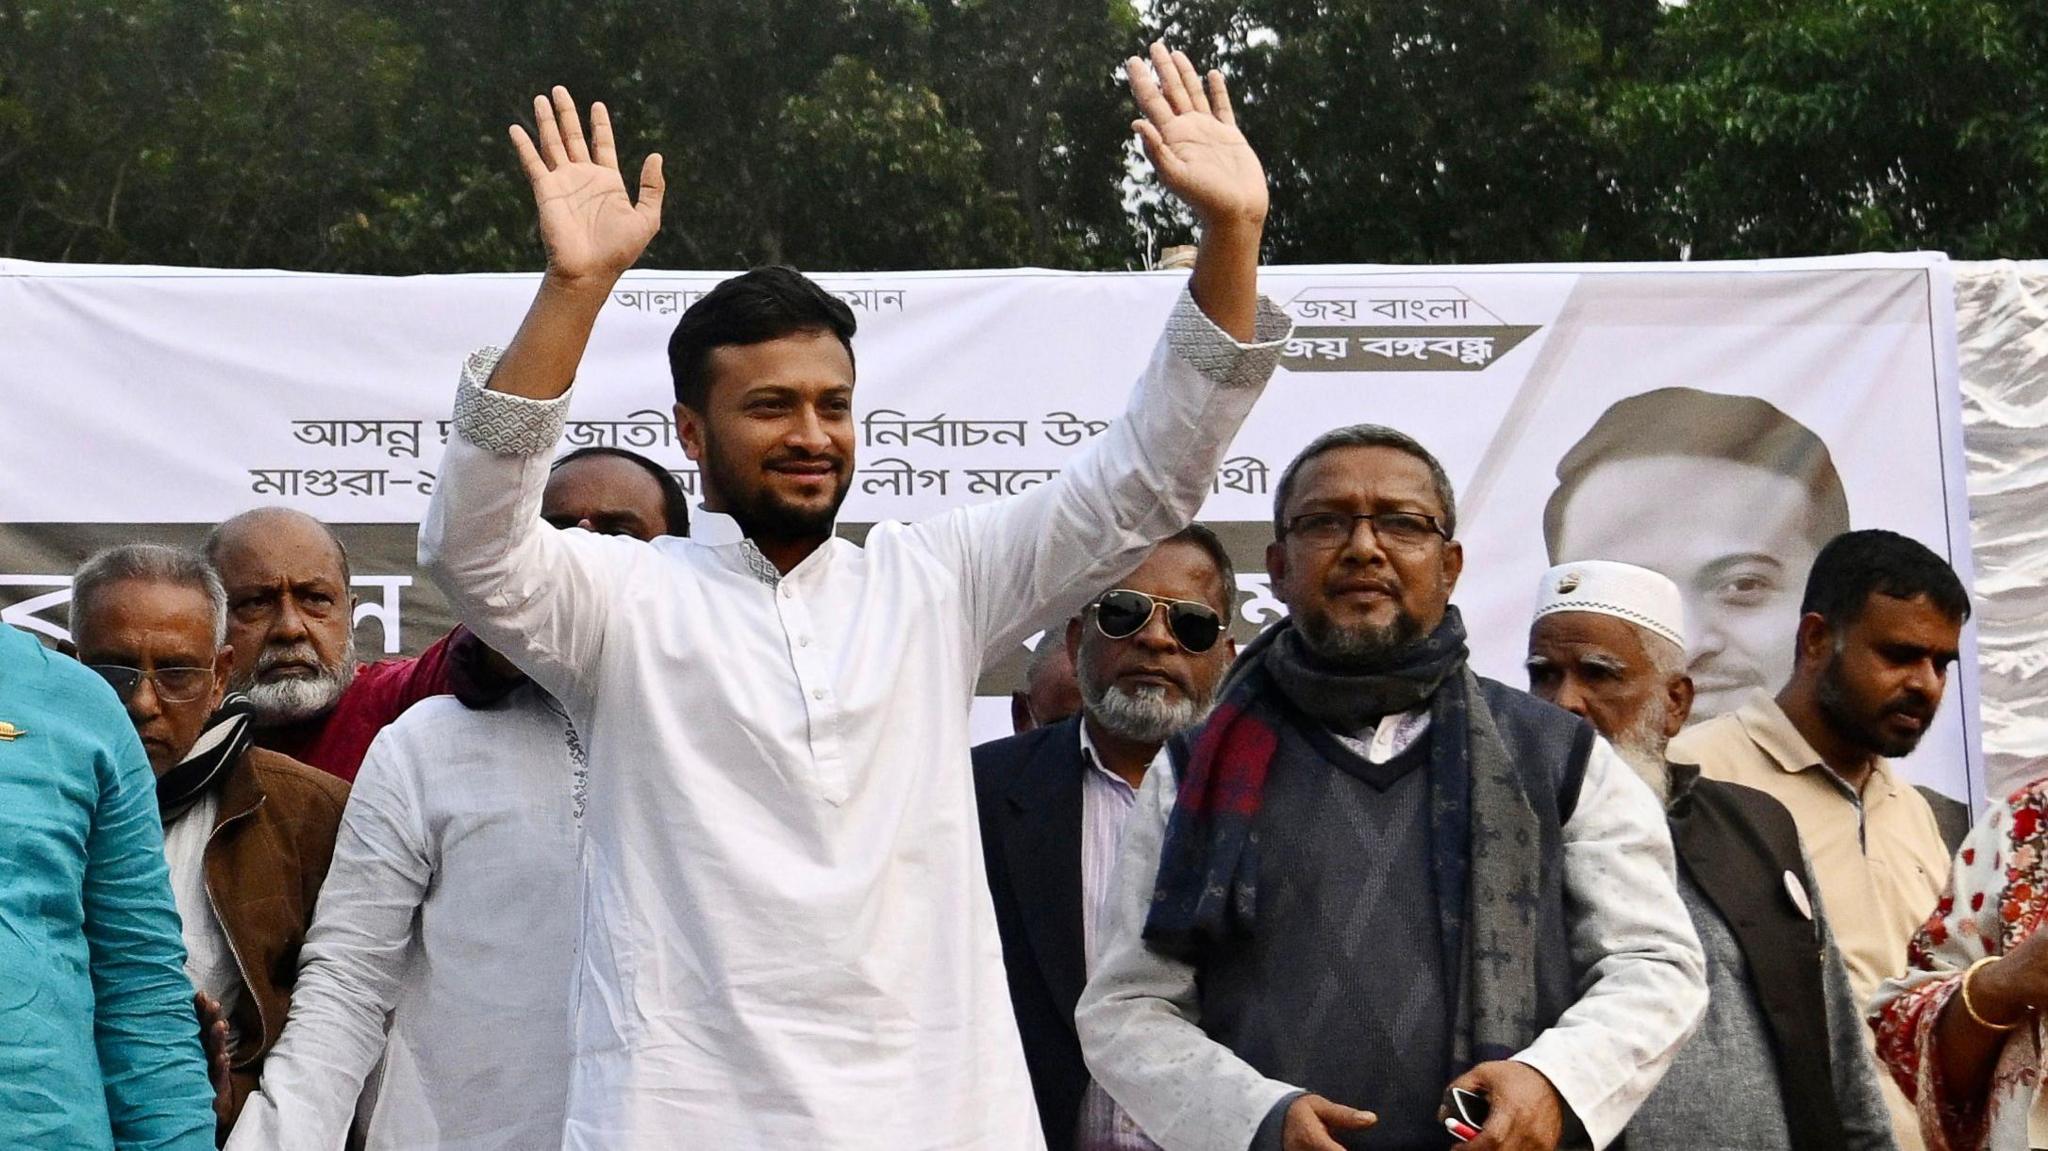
x,y
1996,897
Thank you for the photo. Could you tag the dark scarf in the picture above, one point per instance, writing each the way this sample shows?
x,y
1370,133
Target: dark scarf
x,y
223,741
1483,833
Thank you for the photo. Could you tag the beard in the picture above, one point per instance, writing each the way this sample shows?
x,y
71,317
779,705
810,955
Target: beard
x,y
1148,714
1838,709
759,512
1358,647
1642,745
295,699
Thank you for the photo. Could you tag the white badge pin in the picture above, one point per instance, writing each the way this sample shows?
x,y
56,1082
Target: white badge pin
x,y
1797,891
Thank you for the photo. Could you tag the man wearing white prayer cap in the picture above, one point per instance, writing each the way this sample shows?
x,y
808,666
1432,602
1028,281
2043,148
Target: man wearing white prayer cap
x,y
1780,1060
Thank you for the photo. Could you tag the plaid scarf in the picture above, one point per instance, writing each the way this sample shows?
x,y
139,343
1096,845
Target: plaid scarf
x,y
223,741
1483,838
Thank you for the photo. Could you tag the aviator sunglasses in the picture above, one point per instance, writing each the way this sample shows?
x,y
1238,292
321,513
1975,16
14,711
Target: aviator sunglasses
x,y
1121,613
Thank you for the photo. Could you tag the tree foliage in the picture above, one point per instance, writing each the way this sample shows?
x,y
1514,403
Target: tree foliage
x,y
369,135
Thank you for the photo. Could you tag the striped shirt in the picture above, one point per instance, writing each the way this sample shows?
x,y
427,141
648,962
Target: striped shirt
x,y
1106,805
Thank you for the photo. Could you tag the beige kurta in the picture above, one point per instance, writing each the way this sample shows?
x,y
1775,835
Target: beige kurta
x,y
1880,864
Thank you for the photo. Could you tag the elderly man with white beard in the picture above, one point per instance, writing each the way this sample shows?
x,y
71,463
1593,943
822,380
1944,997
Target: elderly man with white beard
x,y
1147,655
1782,1033
291,622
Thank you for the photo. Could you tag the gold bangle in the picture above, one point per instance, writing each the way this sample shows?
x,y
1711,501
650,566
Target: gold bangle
x,y
1972,1008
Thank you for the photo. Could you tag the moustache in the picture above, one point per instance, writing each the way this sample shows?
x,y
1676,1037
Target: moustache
x,y
1912,707
836,461
299,653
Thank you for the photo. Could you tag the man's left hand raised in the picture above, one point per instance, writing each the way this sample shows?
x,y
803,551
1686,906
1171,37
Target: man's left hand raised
x,y
1525,1112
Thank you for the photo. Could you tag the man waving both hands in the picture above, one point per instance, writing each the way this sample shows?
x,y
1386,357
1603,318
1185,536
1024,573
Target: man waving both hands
x,y
787,938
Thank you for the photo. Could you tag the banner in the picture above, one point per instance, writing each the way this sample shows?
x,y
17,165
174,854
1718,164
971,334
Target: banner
x,y
1715,421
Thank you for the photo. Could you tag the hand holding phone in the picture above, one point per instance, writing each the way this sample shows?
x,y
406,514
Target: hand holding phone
x,y
1468,1111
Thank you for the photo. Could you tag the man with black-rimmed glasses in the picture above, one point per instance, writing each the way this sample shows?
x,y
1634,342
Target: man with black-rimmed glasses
x,y
1373,877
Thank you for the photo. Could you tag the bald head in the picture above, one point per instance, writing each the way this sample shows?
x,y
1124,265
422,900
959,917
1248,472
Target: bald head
x,y
257,523
290,615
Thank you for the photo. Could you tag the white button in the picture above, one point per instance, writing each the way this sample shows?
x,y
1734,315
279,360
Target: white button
x,y
818,693
803,641
788,592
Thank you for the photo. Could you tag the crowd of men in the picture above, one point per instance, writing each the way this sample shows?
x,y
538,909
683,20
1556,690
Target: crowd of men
x,y
678,841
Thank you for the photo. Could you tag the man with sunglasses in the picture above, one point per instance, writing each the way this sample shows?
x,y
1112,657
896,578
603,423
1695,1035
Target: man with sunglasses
x,y
1147,655
1372,878
248,833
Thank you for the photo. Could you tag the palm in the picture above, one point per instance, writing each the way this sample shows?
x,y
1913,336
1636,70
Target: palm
x,y
1190,133
587,221
591,227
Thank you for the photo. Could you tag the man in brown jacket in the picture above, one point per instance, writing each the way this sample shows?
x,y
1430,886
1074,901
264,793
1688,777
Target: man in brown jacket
x,y
248,833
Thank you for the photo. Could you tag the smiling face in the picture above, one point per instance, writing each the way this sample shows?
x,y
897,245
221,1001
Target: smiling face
x,y
1362,598
775,441
155,627
1734,538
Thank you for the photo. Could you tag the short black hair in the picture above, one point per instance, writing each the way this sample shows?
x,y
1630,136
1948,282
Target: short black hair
x,y
675,503
1703,425
1367,436
1857,565
754,307
1205,539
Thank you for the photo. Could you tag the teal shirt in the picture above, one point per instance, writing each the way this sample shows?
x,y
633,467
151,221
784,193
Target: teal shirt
x,y
99,1046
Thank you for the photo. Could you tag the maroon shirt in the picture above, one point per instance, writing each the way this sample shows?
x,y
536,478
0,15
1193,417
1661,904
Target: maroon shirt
x,y
336,742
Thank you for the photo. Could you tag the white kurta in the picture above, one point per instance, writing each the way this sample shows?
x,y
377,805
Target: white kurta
x,y
787,939
451,907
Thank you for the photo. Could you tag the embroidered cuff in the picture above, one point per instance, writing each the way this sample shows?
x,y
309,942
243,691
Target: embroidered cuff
x,y
1195,338
501,423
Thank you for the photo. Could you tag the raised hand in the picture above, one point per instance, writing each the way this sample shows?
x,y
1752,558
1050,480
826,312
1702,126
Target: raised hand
x,y
593,230
1191,137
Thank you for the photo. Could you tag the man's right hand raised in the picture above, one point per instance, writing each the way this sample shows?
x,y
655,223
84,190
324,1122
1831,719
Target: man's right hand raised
x,y
592,229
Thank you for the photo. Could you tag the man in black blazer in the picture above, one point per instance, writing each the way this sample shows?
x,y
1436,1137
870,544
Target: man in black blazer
x,y
1148,654
1779,1060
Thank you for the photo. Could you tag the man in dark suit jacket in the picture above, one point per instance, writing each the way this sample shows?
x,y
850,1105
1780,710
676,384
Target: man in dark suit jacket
x,y
1779,1061
1148,654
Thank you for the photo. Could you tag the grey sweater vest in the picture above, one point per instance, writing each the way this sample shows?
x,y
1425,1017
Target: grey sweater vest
x,y
1340,988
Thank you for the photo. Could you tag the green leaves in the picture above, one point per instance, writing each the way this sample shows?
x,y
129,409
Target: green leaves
x,y
368,135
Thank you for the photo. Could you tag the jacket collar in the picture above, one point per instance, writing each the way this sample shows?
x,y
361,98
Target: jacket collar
x,y
240,791
1041,842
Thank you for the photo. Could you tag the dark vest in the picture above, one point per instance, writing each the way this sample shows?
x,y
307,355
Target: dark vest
x,y
1549,748
1737,844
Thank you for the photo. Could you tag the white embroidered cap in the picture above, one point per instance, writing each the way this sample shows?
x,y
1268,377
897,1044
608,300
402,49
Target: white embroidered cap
x,y
1640,596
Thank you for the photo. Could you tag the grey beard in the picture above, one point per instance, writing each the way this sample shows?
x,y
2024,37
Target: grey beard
x,y
1642,747
1357,647
283,702
1142,715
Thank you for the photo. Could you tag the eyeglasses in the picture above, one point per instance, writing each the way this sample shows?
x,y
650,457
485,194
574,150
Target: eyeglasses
x,y
1395,529
1122,613
172,684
